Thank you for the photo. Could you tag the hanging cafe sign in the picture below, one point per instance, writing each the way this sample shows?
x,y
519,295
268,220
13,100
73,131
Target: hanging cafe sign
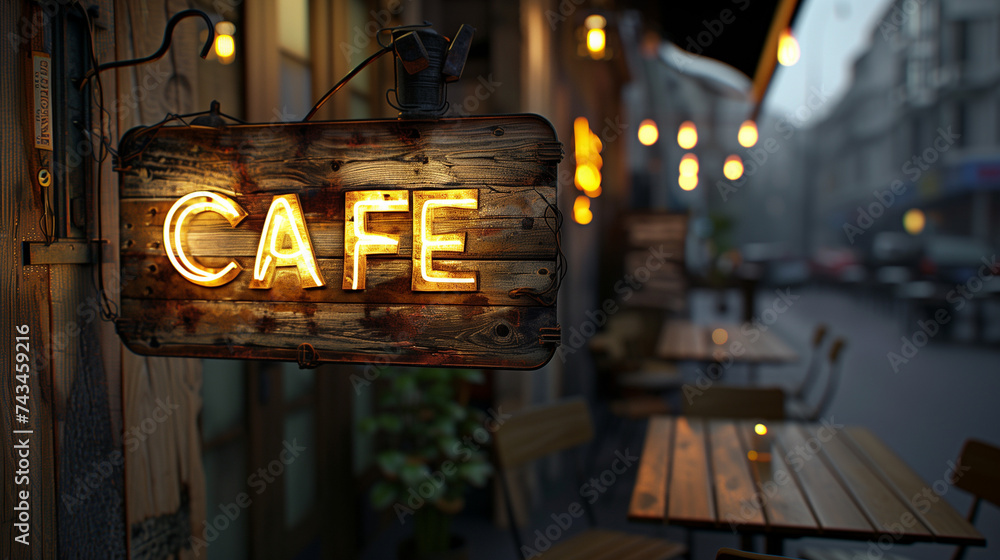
x,y
407,241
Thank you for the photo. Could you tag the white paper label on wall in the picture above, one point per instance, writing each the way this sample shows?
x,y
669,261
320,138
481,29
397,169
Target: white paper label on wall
x,y
42,78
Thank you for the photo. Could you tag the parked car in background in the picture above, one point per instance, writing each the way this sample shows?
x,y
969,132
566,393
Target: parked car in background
x,y
953,259
837,264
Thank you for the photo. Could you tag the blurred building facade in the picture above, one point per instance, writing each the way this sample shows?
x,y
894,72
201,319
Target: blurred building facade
x,y
919,127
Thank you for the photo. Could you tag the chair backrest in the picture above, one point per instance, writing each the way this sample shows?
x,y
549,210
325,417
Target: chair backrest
x,y
982,480
736,402
539,431
733,554
812,370
832,379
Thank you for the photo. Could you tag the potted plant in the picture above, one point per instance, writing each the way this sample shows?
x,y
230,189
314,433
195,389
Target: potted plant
x,y
431,449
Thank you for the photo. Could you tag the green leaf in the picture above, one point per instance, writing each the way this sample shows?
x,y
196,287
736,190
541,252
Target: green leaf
x,y
475,473
442,426
390,462
383,494
412,474
448,445
455,410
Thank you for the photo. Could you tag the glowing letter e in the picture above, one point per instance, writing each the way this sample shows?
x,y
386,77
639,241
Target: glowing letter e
x,y
285,230
173,227
425,278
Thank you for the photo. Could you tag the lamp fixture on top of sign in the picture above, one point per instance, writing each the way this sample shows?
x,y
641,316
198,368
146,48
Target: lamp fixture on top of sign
x,y
419,240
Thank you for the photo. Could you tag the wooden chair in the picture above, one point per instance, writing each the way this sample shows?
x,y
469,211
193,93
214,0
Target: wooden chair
x,y
982,480
535,433
624,352
803,410
733,554
815,361
736,402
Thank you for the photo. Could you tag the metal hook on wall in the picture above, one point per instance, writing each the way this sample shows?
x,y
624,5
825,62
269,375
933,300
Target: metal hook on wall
x,y
167,39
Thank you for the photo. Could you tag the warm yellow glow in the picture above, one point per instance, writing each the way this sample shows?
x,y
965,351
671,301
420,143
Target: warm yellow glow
x,y
720,336
648,133
788,49
581,211
688,182
914,221
285,228
224,46
760,429
748,134
358,243
588,178
689,165
196,203
587,147
752,455
595,41
687,135
425,242
733,168
595,21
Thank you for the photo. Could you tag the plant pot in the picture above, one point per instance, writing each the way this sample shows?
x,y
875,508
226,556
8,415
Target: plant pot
x,y
459,551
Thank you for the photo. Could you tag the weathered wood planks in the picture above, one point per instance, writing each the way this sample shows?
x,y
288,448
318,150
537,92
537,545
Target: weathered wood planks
x,y
510,241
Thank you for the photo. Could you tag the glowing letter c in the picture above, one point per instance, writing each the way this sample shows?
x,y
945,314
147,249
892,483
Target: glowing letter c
x,y
196,203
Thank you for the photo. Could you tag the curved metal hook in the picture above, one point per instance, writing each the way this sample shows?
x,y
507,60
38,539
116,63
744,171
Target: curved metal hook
x,y
167,39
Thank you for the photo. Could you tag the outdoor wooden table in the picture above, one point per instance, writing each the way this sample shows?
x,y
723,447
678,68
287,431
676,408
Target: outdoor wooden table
x,y
823,480
684,340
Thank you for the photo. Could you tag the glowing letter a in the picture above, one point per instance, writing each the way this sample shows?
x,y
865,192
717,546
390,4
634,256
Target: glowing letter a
x,y
285,230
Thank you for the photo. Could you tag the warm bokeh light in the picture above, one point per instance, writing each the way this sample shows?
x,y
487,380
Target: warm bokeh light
x,y
687,182
914,221
648,133
788,49
595,41
752,455
587,177
760,429
581,210
733,168
595,21
689,165
748,134
224,46
687,135
720,336
588,158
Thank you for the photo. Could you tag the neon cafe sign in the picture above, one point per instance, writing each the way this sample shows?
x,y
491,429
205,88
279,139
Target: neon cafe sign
x,y
424,242
285,240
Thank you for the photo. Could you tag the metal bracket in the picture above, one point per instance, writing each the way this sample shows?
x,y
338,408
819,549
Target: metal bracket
x,y
550,335
64,251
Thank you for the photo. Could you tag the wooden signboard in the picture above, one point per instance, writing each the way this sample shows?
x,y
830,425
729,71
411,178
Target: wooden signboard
x,y
431,242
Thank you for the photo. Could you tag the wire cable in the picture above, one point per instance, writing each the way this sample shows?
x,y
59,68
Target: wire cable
x,y
346,79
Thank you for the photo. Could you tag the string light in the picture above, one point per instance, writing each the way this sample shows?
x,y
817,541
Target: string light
x,y
788,49
733,168
748,134
687,135
648,133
